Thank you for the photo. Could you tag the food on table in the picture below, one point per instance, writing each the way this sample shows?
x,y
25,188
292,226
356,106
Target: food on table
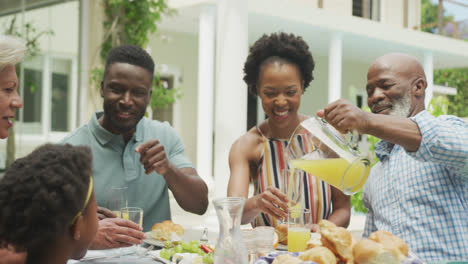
x,y
314,241
321,255
368,251
286,259
282,232
167,231
390,242
337,239
275,240
336,245
189,247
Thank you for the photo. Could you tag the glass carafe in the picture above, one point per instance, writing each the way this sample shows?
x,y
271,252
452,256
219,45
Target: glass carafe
x,y
319,149
230,247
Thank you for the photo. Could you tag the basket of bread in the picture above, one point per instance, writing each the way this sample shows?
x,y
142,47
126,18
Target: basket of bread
x,y
336,245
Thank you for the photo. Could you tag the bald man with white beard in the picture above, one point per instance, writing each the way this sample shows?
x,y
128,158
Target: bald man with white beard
x,y
419,188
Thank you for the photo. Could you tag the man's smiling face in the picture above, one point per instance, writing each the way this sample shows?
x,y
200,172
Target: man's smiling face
x,y
388,91
126,90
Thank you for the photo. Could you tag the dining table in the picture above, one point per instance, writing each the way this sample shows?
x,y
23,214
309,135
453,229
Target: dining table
x,y
146,253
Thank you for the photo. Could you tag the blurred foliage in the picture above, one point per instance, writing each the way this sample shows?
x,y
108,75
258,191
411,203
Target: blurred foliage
x,y
356,199
163,97
456,78
438,106
29,34
132,22
429,14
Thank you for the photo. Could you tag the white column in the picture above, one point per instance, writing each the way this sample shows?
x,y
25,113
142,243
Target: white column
x,y
231,91
428,65
206,57
334,67
83,71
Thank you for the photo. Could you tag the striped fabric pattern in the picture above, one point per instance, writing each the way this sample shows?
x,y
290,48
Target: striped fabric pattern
x,y
272,169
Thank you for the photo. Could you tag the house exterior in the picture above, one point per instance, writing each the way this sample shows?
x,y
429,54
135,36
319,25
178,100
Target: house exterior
x,y
202,50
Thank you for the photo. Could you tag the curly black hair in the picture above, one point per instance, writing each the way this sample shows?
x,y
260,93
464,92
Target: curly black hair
x,y
41,193
131,54
281,46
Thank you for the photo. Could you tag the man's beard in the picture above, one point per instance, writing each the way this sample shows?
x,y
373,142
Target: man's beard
x,y
401,107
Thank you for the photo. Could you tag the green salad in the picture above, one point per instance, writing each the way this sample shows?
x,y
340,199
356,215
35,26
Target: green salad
x,y
188,247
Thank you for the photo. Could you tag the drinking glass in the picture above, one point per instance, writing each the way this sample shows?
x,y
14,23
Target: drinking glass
x,y
117,199
264,236
292,186
248,235
299,225
134,214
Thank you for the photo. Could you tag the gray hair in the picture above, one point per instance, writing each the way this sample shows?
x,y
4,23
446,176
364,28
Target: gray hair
x,y
12,50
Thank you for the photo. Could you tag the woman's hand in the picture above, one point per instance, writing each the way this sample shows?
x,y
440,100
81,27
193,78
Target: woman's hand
x,y
273,202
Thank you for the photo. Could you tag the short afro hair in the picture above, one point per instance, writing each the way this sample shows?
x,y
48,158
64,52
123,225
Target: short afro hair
x,y
278,46
41,193
131,54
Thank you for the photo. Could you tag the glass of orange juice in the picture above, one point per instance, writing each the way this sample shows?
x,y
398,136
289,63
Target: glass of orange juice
x,y
299,225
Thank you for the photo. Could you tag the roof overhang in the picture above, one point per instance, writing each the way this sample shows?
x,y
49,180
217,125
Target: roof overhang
x,y
363,40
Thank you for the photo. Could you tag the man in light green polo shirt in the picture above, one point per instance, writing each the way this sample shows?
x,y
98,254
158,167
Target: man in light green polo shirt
x,y
130,150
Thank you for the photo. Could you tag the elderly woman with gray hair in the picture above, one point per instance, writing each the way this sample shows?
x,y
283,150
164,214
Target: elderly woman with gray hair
x,y
12,51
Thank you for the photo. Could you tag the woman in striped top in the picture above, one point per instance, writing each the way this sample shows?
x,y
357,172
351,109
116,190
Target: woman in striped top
x,y
278,69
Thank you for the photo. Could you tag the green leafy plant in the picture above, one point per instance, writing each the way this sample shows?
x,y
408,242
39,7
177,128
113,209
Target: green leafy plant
x,y
162,96
457,78
438,106
131,22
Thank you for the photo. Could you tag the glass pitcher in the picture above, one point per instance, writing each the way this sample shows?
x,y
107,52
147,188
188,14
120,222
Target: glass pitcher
x,y
230,247
319,149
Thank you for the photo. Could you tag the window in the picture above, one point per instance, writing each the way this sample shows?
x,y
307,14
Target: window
x,y
51,109
367,9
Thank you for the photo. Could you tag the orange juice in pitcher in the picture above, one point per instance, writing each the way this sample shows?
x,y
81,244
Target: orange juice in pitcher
x,y
332,158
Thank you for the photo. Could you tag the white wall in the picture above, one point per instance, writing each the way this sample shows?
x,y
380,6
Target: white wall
x,y
339,7
316,95
394,12
354,78
414,13
354,74
181,51
62,19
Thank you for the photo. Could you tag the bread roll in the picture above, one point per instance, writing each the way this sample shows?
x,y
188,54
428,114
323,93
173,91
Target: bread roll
x,y
390,242
314,241
286,259
368,251
282,232
337,239
321,255
167,230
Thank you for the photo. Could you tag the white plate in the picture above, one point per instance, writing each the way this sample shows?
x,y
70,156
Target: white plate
x,y
189,234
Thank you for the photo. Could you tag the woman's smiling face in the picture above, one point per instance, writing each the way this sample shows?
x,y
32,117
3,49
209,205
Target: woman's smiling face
x,y
280,87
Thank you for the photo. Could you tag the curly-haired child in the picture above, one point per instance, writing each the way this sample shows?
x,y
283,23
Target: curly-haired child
x,y
47,204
